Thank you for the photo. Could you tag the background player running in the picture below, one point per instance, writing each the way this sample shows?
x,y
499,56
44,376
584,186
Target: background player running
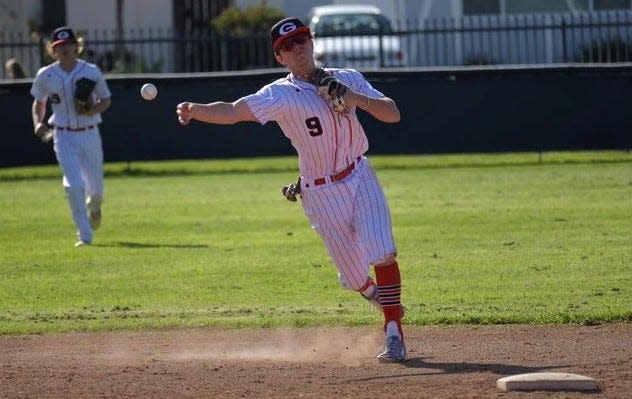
x,y
74,124
341,196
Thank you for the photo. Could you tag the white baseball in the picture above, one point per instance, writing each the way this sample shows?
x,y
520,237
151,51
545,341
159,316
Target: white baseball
x,y
148,91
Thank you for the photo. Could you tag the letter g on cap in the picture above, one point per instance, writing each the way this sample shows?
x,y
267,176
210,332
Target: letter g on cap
x,y
287,28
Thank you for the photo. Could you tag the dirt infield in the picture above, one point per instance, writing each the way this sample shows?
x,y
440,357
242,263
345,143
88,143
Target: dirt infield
x,y
444,362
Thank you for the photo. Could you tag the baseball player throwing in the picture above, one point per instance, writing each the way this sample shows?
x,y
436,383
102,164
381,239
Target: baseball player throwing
x,y
340,193
78,94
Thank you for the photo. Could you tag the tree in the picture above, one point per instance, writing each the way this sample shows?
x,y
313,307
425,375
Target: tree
x,y
247,22
241,37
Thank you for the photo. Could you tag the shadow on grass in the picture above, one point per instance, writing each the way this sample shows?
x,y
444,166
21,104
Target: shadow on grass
x,y
141,245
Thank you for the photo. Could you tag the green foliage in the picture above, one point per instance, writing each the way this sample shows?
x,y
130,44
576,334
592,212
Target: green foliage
x,y
503,238
251,20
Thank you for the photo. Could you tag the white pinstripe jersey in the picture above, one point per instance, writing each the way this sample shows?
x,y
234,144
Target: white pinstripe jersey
x,y
326,142
351,215
58,86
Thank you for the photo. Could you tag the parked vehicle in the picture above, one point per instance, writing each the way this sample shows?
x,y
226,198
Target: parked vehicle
x,y
354,36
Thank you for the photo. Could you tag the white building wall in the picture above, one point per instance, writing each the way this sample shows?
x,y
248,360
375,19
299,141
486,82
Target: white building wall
x,y
395,10
16,18
412,10
97,21
15,15
101,15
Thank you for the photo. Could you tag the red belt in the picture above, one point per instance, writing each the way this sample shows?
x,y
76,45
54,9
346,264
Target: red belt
x,y
74,129
338,176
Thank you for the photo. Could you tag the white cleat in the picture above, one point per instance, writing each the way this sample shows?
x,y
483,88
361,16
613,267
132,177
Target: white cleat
x,y
394,350
82,243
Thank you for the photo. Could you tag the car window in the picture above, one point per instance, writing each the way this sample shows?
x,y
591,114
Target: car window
x,y
346,24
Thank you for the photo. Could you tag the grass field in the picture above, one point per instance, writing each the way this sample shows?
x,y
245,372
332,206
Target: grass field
x,y
506,238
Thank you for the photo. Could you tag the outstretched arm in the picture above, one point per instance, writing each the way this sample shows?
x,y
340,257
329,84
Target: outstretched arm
x,y
220,112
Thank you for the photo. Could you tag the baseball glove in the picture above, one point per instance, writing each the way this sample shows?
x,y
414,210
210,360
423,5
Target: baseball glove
x,y
292,190
45,132
331,89
83,90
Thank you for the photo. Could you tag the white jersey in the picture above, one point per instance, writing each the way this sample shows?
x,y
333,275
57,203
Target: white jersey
x,y
326,142
349,212
77,140
58,86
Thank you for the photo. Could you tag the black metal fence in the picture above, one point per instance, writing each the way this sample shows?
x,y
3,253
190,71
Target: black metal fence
x,y
602,37
598,37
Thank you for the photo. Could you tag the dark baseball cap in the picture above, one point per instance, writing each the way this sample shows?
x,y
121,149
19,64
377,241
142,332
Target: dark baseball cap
x,y
285,29
63,34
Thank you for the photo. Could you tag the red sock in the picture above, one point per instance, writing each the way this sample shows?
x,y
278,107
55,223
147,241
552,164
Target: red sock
x,y
389,285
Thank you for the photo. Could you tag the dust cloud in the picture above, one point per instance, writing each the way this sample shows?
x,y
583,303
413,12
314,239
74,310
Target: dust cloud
x,y
311,345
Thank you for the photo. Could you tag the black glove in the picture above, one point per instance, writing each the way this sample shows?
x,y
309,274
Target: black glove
x,y
328,84
44,132
331,89
83,90
335,88
319,74
292,190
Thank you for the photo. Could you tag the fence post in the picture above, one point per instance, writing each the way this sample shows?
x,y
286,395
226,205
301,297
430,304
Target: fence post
x,y
381,38
41,44
563,27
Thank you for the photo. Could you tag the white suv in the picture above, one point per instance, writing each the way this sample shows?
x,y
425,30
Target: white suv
x,y
349,36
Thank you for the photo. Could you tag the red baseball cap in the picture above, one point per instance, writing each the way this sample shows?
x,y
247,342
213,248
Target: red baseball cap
x,y
285,29
63,34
